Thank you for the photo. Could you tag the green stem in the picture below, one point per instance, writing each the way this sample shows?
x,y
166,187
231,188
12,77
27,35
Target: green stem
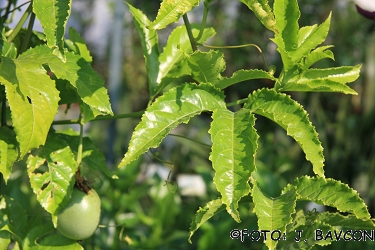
x,y
1,185
29,31
190,33
187,138
3,112
238,102
20,23
101,118
80,145
237,47
8,11
204,19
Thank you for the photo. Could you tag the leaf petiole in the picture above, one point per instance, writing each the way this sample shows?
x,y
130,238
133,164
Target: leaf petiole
x,y
190,33
20,23
101,118
238,47
204,19
26,40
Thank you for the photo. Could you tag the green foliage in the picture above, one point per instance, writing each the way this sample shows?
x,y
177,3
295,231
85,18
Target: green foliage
x,y
53,16
38,77
293,118
234,145
176,106
273,213
171,11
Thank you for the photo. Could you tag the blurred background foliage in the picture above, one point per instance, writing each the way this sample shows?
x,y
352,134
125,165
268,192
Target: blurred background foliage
x,y
145,208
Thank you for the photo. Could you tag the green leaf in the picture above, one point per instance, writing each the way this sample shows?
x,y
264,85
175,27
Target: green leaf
x,y
287,14
244,75
234,144
177,45
302,235
263,12
290,115
16,217
92,158
79,44
53,16
8,151
317,55
309,40
274,213
206,66
5,239
350,222
44,237
170,12
321,190
88,84
33,100
149,42
204,214
169,110
7,49
57,241
31,239
324,80
51,173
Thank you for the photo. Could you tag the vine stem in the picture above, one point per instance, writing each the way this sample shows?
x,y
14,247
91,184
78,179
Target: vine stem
x,y
8,11
101,118
187,138
3,111
80,144
204,20
190,33
20,23
238,102
238,47
26,40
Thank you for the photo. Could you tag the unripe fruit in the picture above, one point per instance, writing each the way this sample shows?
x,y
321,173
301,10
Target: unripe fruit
x,y
80,218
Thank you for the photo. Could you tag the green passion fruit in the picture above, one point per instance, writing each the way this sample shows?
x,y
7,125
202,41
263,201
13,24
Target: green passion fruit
x,y
80,218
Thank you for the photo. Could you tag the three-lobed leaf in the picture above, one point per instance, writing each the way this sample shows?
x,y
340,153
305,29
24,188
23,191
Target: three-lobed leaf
x,y
176,106
290,115
234,145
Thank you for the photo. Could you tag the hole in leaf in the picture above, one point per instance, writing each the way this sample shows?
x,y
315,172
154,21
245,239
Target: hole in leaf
x,y
45,185
29,99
